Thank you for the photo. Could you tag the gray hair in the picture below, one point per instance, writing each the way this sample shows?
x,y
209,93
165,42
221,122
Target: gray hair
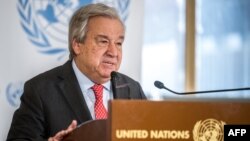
x,y
78,23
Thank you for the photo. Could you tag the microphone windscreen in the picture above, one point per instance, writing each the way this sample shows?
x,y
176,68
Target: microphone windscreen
x,y
113,74
159,84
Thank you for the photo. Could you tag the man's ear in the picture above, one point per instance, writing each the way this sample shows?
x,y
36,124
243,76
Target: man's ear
x,y
76,47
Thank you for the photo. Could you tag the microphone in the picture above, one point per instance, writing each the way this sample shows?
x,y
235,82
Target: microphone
x,y
160,85
113,83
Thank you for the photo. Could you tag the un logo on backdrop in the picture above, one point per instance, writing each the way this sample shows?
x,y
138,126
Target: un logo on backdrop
x,y
13,93
46,21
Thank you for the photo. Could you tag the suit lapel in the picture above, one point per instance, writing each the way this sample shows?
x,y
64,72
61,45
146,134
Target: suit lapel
x,y
72,93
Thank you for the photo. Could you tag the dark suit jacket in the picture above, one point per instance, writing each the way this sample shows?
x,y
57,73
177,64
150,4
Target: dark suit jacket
x,y
53,99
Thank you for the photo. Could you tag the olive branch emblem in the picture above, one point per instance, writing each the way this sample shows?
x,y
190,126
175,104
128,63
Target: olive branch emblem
x,y
35,35
123,8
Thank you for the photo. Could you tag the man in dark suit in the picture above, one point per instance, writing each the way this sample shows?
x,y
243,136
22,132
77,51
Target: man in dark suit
x,y
55,101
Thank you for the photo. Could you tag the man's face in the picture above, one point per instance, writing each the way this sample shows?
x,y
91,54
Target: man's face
x,y
101,52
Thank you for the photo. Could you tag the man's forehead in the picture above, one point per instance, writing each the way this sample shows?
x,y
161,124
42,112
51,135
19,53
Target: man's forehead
x,y
105,22
103,27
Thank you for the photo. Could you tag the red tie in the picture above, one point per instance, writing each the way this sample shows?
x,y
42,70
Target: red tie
x,y
100,111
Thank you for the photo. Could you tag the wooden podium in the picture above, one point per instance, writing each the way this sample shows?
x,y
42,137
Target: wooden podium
x,y
131,120
95,130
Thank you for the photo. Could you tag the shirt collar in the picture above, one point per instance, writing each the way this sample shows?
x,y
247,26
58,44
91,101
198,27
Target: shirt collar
x,y
84,81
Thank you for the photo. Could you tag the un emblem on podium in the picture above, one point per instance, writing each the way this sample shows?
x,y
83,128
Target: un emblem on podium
x,y
209,130
46,21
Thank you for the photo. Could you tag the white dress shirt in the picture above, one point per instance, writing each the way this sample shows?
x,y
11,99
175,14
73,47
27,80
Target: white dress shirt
x,y
88,94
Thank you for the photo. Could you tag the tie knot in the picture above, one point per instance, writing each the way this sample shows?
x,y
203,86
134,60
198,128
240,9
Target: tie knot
x,y
98,89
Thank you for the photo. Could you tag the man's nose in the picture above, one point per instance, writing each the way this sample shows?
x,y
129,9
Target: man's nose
x,y
112,50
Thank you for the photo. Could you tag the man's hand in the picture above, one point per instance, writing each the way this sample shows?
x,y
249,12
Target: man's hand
x,y
60,135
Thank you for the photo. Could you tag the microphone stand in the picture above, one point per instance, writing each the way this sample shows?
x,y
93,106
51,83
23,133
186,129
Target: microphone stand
x,y
160,85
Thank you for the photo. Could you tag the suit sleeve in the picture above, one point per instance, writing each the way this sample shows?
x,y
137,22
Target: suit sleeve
x,y
28,122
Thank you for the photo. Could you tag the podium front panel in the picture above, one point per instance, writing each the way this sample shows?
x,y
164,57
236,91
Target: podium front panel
x,y
133,120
